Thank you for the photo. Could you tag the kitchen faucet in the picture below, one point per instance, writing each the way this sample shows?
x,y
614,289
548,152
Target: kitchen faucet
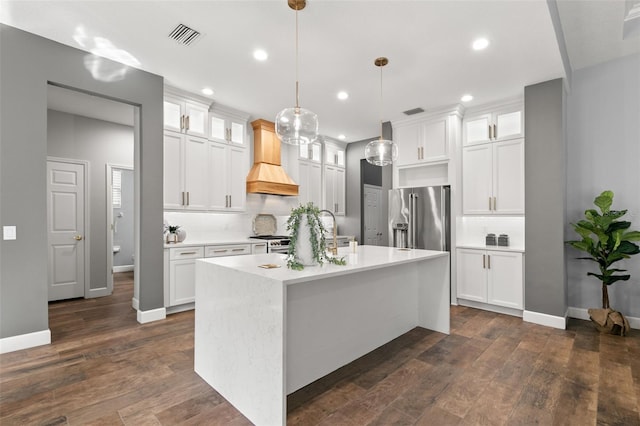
x,y
334,248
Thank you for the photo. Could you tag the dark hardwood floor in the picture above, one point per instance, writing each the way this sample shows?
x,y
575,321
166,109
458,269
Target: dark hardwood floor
x,y
105,368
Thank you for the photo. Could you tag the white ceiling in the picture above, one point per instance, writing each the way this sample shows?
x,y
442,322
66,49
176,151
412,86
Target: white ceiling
x,y
431,63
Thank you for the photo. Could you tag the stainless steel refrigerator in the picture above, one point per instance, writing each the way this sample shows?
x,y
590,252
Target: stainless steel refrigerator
x,y
420,218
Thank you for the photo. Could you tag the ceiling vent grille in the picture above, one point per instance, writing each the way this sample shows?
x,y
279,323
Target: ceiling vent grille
x,y
413,111
184,35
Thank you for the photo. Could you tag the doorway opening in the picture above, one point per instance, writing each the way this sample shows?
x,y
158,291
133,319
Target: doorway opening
x,y
101,134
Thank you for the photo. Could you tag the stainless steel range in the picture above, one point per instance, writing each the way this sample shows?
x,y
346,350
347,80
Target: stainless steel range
x,y
275,243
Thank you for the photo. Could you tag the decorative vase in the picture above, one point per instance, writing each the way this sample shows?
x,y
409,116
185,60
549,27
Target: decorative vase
x,y
182,234
304,250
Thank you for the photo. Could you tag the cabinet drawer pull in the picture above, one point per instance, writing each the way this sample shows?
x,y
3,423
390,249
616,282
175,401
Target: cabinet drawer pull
x,y
238,249
184,253
484,265
488,261
220,251
260,245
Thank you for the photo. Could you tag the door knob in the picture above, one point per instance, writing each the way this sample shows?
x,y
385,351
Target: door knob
x,y
78,237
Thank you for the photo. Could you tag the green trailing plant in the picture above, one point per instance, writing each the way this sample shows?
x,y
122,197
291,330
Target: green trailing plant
x,y
173,229
317,231
606,240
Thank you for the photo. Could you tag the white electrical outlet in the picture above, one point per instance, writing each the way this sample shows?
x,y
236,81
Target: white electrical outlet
x,y
9,232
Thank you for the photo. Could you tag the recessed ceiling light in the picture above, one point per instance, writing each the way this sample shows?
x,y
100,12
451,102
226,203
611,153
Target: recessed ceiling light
x,y
207,91
343,95
466,98
480,44
342,137
260,55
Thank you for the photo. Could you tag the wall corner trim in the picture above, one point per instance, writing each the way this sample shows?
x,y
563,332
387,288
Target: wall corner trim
x,y
25,341
151,315
135,303
545,319
583,314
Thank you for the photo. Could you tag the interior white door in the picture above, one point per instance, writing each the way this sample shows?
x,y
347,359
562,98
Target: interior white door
x,y
66,230
372,215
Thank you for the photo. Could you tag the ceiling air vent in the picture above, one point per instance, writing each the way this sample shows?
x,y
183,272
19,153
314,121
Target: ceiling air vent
x,y
184,35
413,111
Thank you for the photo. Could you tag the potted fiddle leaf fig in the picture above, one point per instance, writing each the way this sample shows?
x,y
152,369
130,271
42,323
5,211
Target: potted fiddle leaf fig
x,y
606,240
307,246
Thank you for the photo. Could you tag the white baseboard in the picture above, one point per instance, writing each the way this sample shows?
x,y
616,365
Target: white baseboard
x,y
545,319
489,307
583,314
181,308
135,303
151,315
25,341
123,268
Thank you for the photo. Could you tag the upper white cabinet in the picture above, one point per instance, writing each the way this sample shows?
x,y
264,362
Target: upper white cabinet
x,y
493,178
334,154
502,123
228,125
228,167
311,152
310,182
491,276
334,189
422,141
185,164
185,115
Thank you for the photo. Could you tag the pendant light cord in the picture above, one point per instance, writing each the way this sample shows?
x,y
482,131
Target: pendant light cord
x,y
297,85
381,138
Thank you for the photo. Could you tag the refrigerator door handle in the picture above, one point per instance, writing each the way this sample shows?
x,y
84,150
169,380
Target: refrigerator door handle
x,y
414,220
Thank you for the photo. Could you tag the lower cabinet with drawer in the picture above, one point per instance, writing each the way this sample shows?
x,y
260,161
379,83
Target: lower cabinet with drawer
x,y
180,270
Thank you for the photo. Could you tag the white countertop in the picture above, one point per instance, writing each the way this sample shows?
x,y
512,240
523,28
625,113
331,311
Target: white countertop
x,y
366,258
494,248
227,240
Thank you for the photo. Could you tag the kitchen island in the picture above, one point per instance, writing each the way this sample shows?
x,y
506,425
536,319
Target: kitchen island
x,y
261,334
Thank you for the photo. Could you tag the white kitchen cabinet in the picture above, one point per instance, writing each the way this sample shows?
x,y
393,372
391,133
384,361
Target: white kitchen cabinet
x,y
311,152
310,182
185,116
504,123
334,154
228,125
259,248
182,267
334,189
228,250
227,167
491,276
185,164
421,141
493,178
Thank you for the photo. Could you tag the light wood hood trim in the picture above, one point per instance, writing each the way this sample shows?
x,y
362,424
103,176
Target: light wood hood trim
x,y
266,144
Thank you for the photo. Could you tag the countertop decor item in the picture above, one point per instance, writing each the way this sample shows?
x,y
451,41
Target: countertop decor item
x,y
297,126
606,240
307,244
172,235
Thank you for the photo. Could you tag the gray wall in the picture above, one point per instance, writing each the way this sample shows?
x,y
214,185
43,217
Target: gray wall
x,y
603,129
123,233
545,188
351,224
27,63
98,142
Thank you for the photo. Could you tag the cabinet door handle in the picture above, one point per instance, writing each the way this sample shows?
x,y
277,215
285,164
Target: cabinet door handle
x,y
181,122
229,201
483,262
188,198
418,153
183,198
490,133
494,204
495,132
488,261
184,253
187,121
489,203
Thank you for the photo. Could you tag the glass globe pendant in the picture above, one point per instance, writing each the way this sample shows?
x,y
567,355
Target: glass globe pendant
x,y
381,152
297,126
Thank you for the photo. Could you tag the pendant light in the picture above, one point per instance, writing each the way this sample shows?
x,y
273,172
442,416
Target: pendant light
x,y
297,126
381,152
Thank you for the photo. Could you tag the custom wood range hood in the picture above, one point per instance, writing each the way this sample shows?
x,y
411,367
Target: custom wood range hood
x,y
267,175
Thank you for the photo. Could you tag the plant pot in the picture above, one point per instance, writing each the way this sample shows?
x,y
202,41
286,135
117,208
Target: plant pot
x,y
172,238
304,250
